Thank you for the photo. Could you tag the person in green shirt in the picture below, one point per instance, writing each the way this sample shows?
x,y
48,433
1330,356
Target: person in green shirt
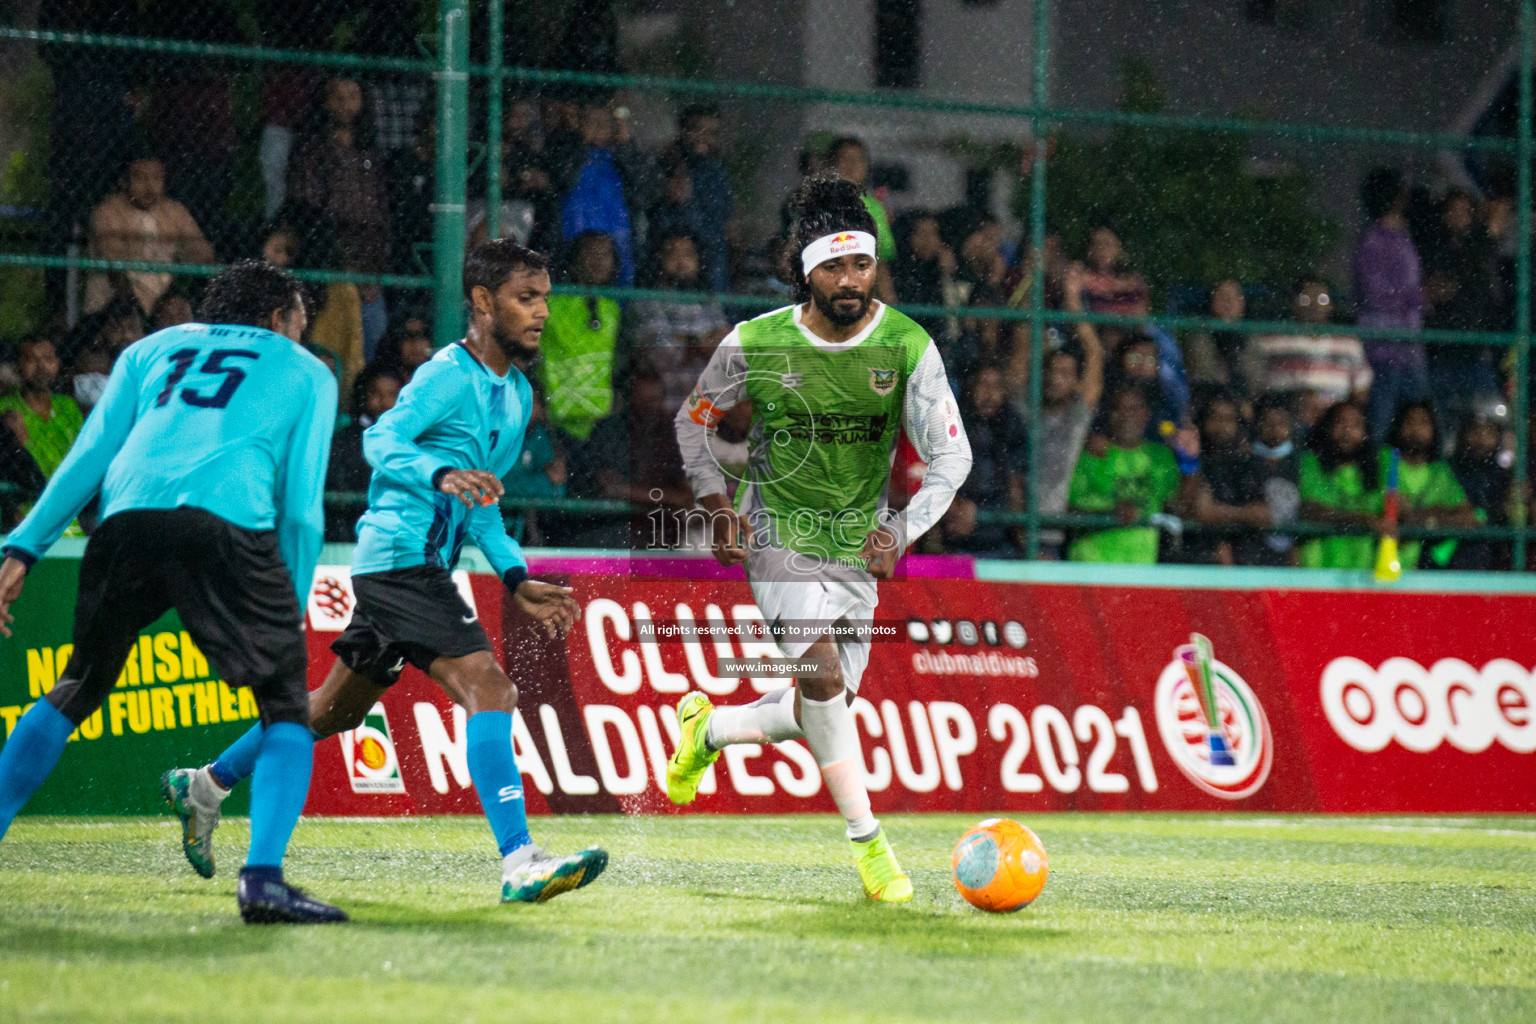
x,y
1341,484
580,340
850,158
52,421
1428,493
1133,478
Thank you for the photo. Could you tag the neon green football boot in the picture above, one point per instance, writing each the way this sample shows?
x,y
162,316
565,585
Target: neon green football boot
x,y
883,879
687,765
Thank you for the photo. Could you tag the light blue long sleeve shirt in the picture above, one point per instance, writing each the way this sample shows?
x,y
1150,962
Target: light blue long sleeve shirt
x,y
454,414
234,420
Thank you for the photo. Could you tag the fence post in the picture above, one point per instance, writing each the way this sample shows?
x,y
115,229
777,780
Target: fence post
x,y
452,78
1038,101
494,84
1523,280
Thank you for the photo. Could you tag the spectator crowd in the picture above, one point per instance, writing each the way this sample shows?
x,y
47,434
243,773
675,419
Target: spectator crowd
x,y
1222,446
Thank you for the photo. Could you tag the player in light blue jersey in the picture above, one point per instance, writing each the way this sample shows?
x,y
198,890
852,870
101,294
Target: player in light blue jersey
x,y
208,448
438,458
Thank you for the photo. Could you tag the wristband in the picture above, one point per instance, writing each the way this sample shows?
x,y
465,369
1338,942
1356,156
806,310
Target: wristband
x,y
21,555
437,478
514,576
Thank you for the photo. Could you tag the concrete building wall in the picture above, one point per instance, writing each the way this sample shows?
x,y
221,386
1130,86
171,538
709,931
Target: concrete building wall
x,y
1343,69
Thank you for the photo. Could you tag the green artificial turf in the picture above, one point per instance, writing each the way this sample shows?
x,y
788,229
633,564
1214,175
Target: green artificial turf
x,y
1145,918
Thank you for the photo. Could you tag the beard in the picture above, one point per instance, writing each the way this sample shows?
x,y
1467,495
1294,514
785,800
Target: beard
x,y
514,346
828,306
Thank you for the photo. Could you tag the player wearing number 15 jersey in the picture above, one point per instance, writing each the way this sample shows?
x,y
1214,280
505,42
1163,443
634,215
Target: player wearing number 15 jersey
x,y
438,458
209,450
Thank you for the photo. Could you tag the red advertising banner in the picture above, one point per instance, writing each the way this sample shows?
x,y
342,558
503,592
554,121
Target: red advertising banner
x,y
994,696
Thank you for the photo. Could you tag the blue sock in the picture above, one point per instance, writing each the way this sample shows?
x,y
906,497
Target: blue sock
x,y
239,760
279,785
29,755
493,769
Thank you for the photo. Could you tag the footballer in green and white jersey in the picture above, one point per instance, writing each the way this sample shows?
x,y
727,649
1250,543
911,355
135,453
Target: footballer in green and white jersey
x,y
833,381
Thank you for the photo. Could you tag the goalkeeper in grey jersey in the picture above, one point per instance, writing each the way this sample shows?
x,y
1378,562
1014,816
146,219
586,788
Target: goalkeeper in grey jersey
x,y
832,381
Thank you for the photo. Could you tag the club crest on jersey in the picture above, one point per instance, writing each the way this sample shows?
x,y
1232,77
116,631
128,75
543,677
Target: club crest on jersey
x,y
882,382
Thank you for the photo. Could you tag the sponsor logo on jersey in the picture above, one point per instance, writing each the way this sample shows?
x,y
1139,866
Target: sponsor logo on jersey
x,y
833,428
882,382
1181,721
369,754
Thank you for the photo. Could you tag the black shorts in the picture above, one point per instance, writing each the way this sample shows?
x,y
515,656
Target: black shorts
x,y
229,585
415,615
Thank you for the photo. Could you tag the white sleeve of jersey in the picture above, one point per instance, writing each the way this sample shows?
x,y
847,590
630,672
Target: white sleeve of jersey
x,y
932,420
721,387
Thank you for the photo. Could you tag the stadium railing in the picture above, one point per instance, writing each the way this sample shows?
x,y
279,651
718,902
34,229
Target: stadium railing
x,y
452,71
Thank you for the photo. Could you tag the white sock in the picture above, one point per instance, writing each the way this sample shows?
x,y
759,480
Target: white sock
x,y
834,741
517,858
205,791
769,719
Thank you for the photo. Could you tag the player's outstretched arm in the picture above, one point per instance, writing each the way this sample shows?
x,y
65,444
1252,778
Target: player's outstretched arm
x,y
301,484
932,419
79,476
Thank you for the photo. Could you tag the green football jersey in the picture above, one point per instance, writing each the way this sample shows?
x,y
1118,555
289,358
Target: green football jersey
x,y
825,420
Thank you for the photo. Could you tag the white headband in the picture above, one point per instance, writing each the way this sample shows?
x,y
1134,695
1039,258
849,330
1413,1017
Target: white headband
x,y
841,244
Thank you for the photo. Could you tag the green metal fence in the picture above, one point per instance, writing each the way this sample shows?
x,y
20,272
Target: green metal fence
x,y
452,72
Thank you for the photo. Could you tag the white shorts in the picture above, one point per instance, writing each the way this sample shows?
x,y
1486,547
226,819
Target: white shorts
x,y
844,599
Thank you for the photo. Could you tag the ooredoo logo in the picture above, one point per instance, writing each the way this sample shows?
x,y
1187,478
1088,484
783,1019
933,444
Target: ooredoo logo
x,y
1421,708
1212,724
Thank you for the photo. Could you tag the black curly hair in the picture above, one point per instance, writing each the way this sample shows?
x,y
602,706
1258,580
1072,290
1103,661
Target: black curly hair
x,y
489,264
823,204
248,293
